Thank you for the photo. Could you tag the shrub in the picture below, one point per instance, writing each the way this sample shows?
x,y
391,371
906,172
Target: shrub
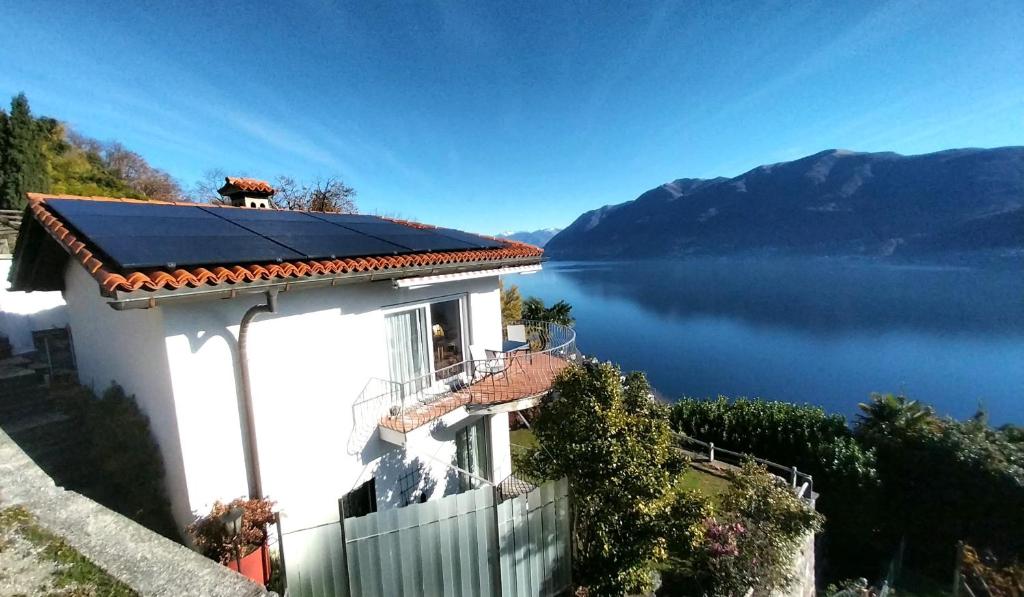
x,y
125,469
215,540
605,433
819,444
965,476
749,542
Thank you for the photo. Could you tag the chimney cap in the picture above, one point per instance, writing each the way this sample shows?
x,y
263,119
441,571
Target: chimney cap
x,y
250,187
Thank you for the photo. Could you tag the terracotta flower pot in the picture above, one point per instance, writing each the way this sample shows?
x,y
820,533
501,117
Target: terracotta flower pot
x,y
255,566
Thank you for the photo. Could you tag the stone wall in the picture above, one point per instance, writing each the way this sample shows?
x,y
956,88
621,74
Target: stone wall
x,y
145,561
803,564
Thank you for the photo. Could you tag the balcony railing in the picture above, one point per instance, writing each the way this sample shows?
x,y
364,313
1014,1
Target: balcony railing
x,y
512,379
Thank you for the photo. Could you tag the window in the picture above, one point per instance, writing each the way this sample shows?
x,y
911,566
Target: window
x,y
426,339
407,348
472,454
362,500
446,334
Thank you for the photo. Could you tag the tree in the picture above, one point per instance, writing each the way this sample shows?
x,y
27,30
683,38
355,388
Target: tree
x,y
511,304
322,194
133,169
22,159
329,195
612,440
888,414
560,313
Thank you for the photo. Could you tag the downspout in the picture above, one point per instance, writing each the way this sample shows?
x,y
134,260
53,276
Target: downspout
x,y
252,454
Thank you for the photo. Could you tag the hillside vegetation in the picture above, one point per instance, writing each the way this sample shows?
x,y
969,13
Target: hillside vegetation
x,y
44,155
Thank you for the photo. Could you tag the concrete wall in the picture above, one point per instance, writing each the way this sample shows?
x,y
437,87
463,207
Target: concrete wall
x,y
138,557
308,362
22,313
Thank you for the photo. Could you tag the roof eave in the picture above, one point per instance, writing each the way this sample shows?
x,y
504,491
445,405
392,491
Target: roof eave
x,y
145,299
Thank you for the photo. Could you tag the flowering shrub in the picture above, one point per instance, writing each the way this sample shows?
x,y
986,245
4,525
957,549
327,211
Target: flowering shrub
x,y
749,542
215,540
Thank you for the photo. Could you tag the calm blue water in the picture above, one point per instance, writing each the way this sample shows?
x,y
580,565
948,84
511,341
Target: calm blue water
x,y
826,332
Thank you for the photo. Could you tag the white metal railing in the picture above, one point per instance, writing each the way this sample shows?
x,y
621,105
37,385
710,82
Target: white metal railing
x,y
502,377
802,483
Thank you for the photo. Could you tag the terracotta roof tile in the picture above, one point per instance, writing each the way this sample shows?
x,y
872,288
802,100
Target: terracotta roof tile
x,y
111,279
248,184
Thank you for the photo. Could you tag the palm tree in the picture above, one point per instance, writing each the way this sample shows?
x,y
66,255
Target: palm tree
x,y
560,313
887,414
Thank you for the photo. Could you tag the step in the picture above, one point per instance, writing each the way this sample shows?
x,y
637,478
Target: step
x,y
13,379
11,413
41,428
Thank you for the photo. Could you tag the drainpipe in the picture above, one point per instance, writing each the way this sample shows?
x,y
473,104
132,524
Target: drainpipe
x,y
252,455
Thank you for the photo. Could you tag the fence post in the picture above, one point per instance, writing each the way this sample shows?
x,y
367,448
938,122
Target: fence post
x,y
496,564
711,451
794,477
280,551
959,564
344,546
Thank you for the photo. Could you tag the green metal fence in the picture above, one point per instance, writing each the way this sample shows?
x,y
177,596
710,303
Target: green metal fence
x,y
464,545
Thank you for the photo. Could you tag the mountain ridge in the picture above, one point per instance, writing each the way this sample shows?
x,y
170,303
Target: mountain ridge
x,y
835,202
538,238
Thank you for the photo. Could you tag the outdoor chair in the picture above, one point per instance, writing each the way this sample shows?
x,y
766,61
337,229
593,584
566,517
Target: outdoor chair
x,y
516,333
488,363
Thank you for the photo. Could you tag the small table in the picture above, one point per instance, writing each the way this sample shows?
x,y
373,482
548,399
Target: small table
x,y
511,348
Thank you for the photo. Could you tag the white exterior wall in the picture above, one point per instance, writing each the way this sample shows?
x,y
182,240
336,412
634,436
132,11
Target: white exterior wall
x,y
308,363
22,313
127,347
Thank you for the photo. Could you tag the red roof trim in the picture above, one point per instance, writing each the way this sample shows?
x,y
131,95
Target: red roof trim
x,y
156,279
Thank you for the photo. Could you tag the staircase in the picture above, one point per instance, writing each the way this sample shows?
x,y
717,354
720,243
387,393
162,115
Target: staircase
x,y
34,420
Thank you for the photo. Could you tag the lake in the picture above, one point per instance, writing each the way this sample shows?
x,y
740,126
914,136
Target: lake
x,y
826,332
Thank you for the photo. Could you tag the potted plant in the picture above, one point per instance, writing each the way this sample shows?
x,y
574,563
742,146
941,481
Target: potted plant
x,y
235,534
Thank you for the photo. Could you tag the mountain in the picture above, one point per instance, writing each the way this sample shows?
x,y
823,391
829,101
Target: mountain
x,y
537,238
835,202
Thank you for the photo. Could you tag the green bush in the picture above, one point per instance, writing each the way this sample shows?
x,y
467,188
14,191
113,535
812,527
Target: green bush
x,y
965,477
750,541
817,443
613,442
125,469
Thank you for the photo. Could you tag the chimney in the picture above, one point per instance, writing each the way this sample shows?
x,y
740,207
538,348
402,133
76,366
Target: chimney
x,y
247,192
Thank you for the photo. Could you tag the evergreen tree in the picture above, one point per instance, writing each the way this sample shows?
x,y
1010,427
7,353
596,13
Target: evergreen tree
x,y
22,161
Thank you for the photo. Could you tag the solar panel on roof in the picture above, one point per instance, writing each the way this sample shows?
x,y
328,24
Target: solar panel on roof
x,y
416,239
313,237
477,241
139,235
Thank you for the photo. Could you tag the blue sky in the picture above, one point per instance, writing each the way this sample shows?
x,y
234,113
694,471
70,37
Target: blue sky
x,y
522,115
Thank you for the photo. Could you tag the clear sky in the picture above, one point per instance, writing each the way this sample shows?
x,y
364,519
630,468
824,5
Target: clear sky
x,y
519,115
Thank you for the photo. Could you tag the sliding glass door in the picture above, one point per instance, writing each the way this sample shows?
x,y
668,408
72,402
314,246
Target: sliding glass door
x,y
472,455
408,355
426,344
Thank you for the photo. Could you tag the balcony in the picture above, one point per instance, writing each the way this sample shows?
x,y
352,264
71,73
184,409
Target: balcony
x,y
493,381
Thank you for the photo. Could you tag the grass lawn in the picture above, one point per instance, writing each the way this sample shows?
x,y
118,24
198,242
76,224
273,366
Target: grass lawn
x,y
711,485
523,438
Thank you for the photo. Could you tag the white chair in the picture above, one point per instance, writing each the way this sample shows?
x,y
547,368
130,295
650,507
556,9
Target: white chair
x,y
516,333
488,363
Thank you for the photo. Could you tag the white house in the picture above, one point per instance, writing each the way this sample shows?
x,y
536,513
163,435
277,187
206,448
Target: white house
x,y
22,313
300,356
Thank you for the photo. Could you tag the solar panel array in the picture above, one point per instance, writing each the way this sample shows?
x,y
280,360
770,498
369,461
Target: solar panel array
x,y
142,235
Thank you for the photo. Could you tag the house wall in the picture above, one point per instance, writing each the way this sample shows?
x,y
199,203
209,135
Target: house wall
x,y
127,347
309,362
22,313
